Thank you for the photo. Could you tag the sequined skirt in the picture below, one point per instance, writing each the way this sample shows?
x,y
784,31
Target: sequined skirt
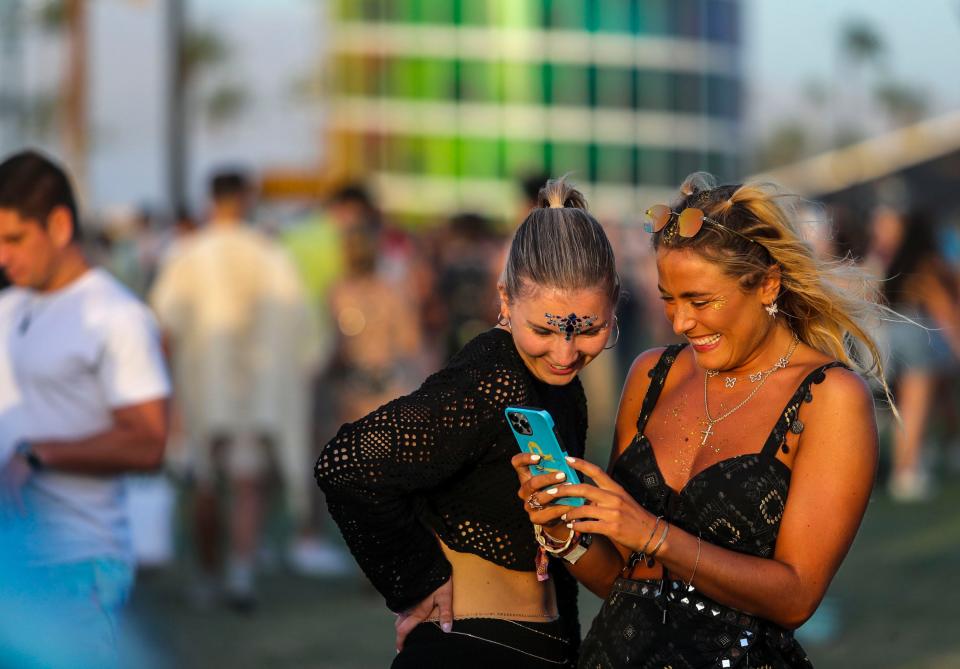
x,y
654,624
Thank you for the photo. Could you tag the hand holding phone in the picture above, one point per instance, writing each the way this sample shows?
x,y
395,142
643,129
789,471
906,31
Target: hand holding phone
x,y
535,433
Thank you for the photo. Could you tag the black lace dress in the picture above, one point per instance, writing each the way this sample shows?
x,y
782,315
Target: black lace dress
x,y
436,463
736,503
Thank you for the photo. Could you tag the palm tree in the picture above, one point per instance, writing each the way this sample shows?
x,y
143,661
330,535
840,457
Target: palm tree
x,y
860,46
902,104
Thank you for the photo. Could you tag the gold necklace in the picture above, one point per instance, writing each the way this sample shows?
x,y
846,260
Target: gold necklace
x,y
780,364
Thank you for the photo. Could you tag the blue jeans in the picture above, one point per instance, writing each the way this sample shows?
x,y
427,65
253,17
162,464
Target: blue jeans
x,y
64,615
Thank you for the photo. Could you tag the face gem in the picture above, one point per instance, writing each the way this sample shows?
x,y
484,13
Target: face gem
x,y
570,324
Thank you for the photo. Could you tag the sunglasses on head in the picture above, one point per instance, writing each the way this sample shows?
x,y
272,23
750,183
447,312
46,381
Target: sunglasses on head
x,y
689,221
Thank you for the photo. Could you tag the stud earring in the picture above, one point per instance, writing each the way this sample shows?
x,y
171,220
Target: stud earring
x,y
771,308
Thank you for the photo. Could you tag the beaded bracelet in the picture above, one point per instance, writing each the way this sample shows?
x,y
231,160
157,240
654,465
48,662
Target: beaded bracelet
x,y
551,545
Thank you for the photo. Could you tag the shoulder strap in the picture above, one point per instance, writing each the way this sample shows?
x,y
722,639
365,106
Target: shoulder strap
x,y
658,376
789,420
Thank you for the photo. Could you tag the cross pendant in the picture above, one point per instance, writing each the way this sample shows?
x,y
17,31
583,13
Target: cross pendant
x,y
706,434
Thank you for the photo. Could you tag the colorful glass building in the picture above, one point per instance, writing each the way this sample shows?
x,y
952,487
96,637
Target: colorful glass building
x,y
444,103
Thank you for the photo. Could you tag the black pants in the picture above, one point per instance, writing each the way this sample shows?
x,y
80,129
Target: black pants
x,y
482,643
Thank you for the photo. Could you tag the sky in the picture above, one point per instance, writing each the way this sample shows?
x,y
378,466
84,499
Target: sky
x,y
790,43
275,42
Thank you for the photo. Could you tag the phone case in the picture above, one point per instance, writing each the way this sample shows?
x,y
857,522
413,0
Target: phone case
x,y
535,433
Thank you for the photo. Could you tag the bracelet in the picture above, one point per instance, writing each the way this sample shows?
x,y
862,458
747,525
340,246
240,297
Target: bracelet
x,y
696,563
551,545
640,555
578,549
643,551
663,537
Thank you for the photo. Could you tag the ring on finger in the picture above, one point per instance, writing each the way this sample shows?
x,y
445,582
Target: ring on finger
x,y
534,503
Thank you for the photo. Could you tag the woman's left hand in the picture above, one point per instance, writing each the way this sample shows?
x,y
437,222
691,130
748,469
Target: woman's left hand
x,y
611,511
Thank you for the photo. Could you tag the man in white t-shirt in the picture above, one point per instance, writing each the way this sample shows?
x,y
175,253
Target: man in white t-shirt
x,y
83,399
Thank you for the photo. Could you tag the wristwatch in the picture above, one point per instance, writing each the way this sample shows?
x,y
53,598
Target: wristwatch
x,y
579,549
25,450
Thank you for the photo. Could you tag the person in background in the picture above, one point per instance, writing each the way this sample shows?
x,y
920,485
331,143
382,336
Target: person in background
x,y
378,332
422,487
920,284
83,400
317,246
743,458
468,251
234,312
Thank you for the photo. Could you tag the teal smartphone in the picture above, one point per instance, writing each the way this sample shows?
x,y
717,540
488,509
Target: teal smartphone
x,y
535,433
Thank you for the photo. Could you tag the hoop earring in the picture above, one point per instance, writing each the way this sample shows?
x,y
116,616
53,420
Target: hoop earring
x,y
616,335
771,309
503,321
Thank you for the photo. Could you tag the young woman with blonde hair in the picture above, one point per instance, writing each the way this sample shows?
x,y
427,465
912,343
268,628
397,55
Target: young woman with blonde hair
x,y
743,458
423,489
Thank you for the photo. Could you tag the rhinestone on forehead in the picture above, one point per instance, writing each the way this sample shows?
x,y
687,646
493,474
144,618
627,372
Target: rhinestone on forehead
x,y
570,324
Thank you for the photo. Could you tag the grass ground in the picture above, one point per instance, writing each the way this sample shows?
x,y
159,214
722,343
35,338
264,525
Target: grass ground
x,y
896,599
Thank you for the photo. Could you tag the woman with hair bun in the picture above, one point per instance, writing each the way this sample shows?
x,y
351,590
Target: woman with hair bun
x,y
743,458
423,489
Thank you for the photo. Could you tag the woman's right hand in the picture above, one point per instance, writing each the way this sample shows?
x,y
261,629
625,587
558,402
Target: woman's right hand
x,y
548,514
440,600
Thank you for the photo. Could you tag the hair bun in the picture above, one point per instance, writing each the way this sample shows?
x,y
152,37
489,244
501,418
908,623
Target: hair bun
x,y
558,193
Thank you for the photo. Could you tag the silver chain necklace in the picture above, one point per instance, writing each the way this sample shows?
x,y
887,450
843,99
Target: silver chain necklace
x,y
780,364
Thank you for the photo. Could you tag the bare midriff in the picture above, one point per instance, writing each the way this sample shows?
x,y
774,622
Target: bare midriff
x,y
482,589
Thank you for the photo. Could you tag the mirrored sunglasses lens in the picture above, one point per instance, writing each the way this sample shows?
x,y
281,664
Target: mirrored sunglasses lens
x,y
690,222
658,216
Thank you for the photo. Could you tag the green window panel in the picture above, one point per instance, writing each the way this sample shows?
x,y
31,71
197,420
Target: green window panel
x,y
614,164
691,93
369,10
357,75
571,158
349,150
724,166
655,90
522,157
569,84
723,96
522,83
440,156
656,167
723,21
689,20
438,79
568,14
480,81
471,12
614,87
431,11
401,78
514,14
688,162
344,10
479,157
616,16
654,17
404,153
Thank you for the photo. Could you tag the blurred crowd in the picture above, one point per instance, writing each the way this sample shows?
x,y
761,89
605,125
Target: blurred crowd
x,y
280,327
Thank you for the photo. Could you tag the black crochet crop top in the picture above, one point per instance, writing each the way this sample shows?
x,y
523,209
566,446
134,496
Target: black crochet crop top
x,y
437,462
